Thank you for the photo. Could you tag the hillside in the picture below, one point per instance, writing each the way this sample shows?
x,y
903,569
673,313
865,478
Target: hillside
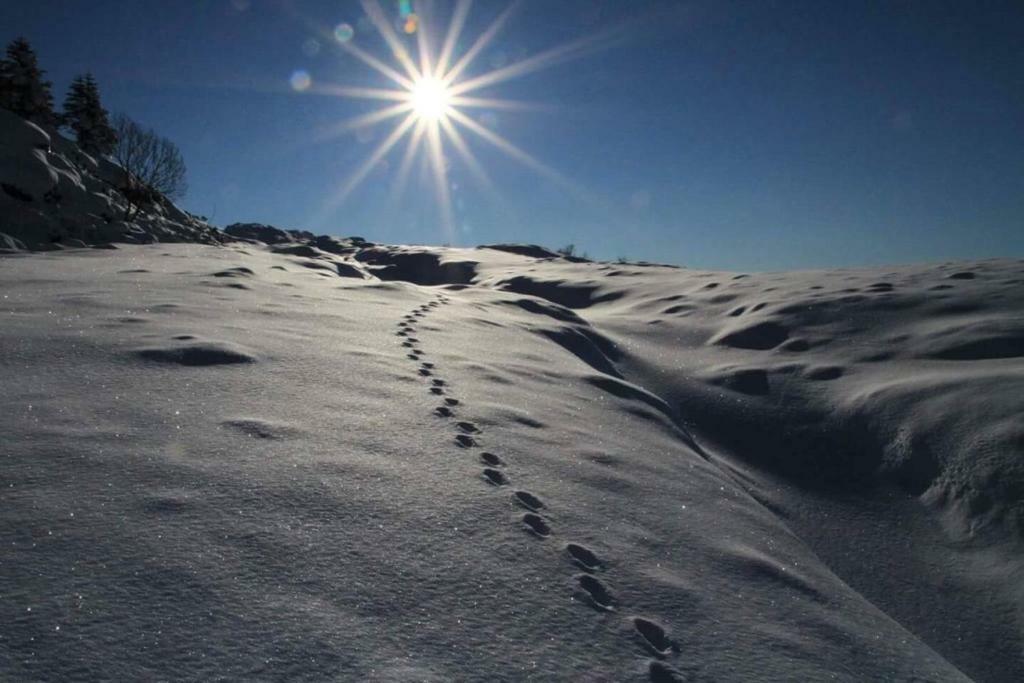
x,y
53,195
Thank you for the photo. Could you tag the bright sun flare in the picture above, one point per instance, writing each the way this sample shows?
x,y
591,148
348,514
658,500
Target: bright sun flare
x,y
429,98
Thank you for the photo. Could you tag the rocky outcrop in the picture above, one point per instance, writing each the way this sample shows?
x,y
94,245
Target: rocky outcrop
x,y
267,234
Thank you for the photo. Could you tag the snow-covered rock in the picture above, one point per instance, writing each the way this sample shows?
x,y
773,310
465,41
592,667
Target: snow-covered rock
x,y
51,192
25,174
267,234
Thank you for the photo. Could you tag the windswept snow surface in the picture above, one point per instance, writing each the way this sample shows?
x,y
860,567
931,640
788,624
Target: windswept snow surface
x,y
410,464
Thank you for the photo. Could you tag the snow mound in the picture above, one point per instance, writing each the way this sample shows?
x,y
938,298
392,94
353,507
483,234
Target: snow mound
x,y
198,354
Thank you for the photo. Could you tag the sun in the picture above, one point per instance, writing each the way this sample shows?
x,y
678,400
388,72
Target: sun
x,y
430,99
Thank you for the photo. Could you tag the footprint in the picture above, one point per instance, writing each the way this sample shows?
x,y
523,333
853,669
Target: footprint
x,y
407,344
598,593
452,401
437,391
443,411
465,441
652,636
401,333
428,366
414,340
438,382
467,427
491,459
425,373
663,673
495,477
535,524
417,352
412,356
528,501
584,557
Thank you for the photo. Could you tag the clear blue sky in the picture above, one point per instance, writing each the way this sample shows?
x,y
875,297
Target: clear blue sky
x,y
747,135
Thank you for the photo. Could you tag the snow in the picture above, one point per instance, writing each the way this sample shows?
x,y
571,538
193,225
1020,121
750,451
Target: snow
x,y
422,464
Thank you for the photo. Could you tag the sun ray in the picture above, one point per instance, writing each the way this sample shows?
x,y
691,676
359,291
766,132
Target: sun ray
x,y
466,154
380,21
377,65
572,50
496,103
402,177
515,152
332,90
483,41
423,44
360,173
363,121
444,200
454,31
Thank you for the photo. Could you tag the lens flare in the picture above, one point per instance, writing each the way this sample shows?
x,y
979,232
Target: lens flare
x,y
344,33
300,80
311,47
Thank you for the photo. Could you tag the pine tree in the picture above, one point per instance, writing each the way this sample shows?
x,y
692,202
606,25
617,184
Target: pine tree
x,y
85,115
22,88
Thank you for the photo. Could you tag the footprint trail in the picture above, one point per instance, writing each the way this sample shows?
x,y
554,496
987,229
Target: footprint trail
x,y
650,635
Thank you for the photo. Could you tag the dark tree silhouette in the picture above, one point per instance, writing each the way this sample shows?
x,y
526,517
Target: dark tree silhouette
x,y
153,165
85,115
22,87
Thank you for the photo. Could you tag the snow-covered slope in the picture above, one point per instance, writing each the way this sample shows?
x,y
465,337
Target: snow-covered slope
x,y
357,462
53,195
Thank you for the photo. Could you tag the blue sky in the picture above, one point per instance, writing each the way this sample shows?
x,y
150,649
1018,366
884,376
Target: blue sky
x,y
743,135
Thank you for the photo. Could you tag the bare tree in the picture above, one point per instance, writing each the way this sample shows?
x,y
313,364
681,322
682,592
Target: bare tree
x,y
152,164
